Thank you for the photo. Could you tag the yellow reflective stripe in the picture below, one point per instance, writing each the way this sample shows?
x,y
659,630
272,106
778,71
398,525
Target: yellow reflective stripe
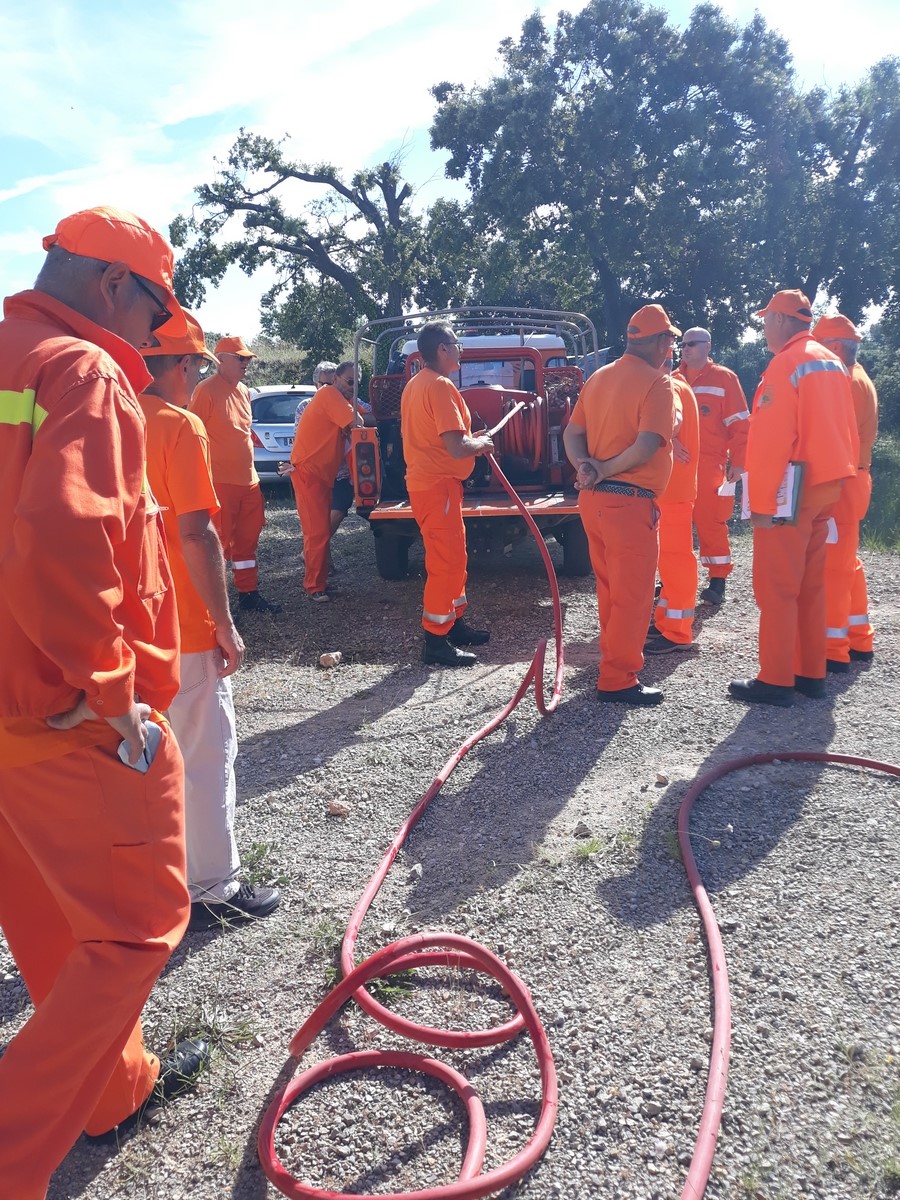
x,y
19,408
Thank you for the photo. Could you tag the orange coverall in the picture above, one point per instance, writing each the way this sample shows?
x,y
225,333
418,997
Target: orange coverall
x,y
722,406
92,889
431,405
617,403
227,415
846,594
317,453
802,413
674,616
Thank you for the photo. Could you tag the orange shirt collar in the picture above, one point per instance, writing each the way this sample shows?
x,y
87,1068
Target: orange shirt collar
x,y
38,306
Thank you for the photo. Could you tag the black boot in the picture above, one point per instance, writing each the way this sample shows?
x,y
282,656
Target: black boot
x,y
440,651
714,592
462,634
754,691
254,602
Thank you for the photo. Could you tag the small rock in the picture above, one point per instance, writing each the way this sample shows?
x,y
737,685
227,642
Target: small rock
x,y
582,830
661,779
415,871
330,659
338,808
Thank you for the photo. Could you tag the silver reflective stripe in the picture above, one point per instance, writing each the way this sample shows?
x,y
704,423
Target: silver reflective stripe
x,y
721,561
814,365
662,602
241,566
680,614
738,416
837,633
709,391
859,619
438,620
460,600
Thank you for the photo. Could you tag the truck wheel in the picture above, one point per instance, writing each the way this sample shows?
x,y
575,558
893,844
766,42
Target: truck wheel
x,y
392,556
576,555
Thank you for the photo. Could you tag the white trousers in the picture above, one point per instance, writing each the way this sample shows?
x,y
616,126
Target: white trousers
x,y
202,716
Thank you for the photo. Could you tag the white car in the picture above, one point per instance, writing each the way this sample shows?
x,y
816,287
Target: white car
x,y
274,422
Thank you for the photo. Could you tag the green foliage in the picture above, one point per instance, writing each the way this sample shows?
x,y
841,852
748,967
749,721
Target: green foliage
x,y
881,527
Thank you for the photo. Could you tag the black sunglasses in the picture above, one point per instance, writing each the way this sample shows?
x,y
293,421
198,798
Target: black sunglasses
x,y
162,314
688,345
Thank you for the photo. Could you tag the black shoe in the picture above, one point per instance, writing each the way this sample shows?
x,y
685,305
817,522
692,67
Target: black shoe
x,y
833,667
714,592
440,652
248,903
754,691
660,644
254,602
178,1073
642,696
814,688
862,655
462,634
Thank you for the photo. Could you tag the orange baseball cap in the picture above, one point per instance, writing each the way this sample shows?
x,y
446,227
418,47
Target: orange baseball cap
x,y
836,327
233,345
650,319
115,235
792,303
191,342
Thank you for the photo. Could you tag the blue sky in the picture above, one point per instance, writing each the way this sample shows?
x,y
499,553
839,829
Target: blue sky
x,y
111,103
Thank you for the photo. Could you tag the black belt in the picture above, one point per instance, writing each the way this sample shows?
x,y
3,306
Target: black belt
x,y
624,489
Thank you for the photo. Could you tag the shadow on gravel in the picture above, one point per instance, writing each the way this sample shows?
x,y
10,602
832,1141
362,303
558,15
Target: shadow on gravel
x,y
740,819
249,1181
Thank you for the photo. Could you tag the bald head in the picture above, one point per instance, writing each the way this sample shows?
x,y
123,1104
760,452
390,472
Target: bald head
x,y
695,347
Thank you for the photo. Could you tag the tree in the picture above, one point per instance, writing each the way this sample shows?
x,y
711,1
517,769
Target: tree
x,y
680,167
353,250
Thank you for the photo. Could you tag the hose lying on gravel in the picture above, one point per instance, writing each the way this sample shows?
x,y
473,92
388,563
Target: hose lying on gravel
x,y
711,1118
433,949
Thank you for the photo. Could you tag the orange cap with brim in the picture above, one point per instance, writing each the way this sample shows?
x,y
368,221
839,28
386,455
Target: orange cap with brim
x,y
791,302
191,342
115,235
651,319
837,327
233,345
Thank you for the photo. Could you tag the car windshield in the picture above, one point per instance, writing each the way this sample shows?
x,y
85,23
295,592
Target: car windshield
x,y
277,410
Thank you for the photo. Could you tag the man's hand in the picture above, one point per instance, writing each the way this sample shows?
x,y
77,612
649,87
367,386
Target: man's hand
x,y
590,472
762,520
482,444
285,468
232,646
733,473
680,452
129,725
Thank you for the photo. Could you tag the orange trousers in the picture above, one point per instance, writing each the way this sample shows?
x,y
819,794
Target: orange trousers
x,y
313,496
846,594
789,586
239,522
93,900
439,516
712,513
678,572
624,547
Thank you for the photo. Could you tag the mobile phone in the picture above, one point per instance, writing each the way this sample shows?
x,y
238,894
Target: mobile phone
x,y
153,735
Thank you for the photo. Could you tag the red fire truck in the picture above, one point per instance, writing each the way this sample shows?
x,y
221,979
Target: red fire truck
x,y
534,358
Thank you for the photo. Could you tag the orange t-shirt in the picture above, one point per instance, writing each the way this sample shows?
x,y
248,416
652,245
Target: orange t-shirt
x,y
620,401
432,405
682,485
319,440
227,415
179,475
865,403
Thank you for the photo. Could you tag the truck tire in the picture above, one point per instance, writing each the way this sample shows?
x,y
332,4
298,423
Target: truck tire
x,y
392,556
576,554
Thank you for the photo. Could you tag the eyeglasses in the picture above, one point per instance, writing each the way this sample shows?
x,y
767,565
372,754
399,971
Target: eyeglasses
x,y
689,345
162,314
453,345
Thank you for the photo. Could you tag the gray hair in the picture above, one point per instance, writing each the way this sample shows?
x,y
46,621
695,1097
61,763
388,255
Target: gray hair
x,y
323,368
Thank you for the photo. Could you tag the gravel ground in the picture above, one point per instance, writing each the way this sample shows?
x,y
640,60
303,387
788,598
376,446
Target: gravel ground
x,y
554,845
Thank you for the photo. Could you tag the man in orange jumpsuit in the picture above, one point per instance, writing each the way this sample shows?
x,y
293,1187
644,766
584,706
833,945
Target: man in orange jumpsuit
x,y
92,888
222,403
850,635
316,456
202,714
619,438
802,414
440,452
723,445
674,614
